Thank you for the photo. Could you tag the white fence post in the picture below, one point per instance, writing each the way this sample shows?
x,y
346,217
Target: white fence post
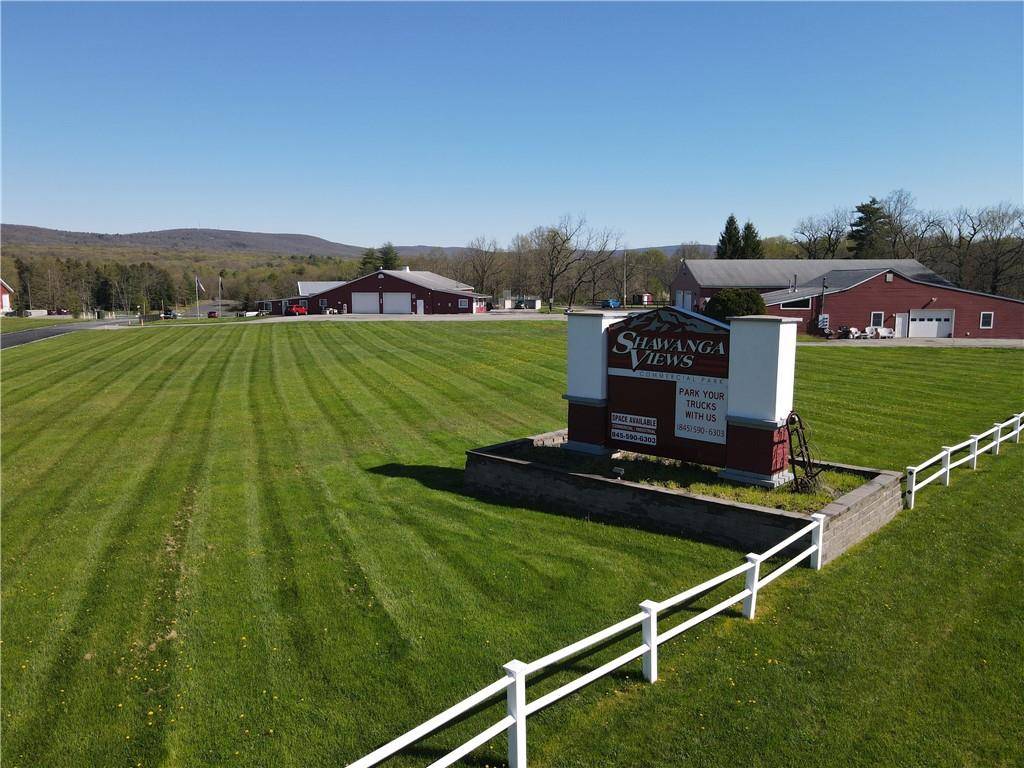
x,y
516,701
753,576
997,438
911,482
974,451
818,540
1016,426
650,632
945,465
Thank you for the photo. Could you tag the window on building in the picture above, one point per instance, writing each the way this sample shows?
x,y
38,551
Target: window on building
x,y
303,302
797,304
463,303
323,302
988,319
878,319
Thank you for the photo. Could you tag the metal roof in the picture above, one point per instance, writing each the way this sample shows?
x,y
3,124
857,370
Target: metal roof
x,y
309,287
835,281
429,280
768,273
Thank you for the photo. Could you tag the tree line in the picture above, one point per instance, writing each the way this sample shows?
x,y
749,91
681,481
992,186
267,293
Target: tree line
x,y
569,262
980,248
78,286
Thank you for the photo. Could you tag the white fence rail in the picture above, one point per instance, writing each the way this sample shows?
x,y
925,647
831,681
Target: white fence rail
x,y
974,447
514,684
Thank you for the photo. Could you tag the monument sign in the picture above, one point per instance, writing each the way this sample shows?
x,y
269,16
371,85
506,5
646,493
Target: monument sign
x,y
674,383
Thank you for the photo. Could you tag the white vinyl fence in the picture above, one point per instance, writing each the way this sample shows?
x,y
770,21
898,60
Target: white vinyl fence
x,y
514,683
1000,433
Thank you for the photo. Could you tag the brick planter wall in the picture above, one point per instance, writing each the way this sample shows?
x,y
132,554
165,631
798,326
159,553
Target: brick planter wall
x,y
492,471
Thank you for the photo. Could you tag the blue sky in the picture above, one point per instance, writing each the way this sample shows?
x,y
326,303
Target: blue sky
x,y
436,123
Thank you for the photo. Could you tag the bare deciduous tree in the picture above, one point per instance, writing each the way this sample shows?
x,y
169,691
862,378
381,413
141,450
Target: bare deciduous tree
x,y
482,261
557,251
821,237
955,236
1001,262
597,247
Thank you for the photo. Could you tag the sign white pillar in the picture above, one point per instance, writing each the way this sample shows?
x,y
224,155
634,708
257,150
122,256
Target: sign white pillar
x,y
762,366
587,379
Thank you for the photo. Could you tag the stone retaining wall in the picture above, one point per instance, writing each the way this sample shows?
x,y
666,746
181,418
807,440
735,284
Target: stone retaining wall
x,y
492,471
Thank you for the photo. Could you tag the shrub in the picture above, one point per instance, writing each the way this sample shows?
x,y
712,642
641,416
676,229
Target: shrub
x,y
735,302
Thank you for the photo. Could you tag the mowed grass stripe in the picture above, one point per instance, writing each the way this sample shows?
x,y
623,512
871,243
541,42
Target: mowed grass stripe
x,y
213,536
26,374
228,620
319,636
97,635
408,536
495,391
533,349
37,507
847,424
49,410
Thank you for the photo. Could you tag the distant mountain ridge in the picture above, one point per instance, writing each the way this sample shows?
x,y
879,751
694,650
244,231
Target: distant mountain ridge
x,y
217,240
200,240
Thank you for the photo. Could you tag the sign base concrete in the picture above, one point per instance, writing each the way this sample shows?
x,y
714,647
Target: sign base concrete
x,y
753,478
497,472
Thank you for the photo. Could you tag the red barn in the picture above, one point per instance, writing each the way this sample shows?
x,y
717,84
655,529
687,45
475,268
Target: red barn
x,y
900,294
909,306
5,296
386,292
697,280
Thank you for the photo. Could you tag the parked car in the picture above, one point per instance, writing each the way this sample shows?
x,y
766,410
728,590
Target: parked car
x,y
213,314
520,305
296,309
169,314
611,304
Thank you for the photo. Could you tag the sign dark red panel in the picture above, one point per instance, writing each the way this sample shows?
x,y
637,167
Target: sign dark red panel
x,y
667,385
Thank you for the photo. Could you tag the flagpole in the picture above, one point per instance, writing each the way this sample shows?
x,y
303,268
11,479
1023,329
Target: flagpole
x,y
197,297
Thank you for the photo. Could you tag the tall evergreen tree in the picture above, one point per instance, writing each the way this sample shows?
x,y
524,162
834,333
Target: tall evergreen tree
x,y
388,256
370,261
730,242
750,243
869,231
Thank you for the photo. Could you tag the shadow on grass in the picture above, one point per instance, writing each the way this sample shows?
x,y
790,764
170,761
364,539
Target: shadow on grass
x,y
447,479
450,480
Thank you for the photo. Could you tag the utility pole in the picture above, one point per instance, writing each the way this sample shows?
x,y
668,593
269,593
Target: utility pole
x,y
625,250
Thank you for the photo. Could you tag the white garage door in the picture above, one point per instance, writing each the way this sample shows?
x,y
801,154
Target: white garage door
x,y
365,303
397,303
931,323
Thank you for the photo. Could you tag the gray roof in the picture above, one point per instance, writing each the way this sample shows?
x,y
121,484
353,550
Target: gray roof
x,y
778,273
838,280
429,280
309,287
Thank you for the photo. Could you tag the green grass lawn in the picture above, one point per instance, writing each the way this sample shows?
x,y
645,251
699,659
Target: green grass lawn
x,y
12,324
249,546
